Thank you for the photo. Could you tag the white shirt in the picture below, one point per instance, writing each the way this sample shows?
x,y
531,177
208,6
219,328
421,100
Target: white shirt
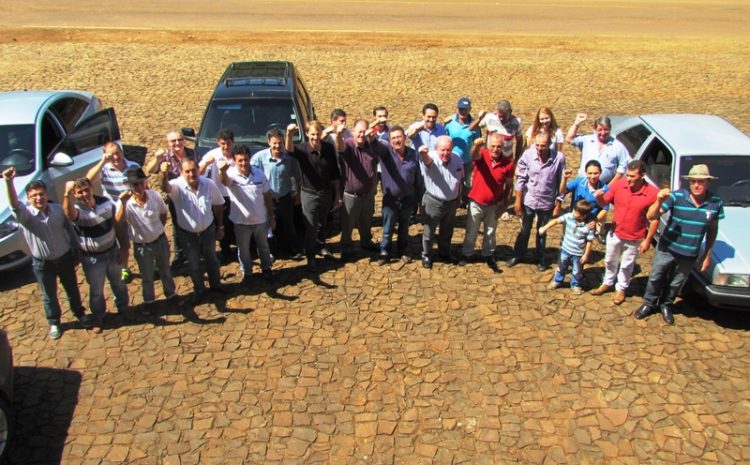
x,y
212,170
246,195
144,222
195,209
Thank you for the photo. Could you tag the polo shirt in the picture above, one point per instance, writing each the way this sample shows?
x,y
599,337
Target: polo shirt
x,y
144,221
96,226
462,137
489,178
580,189
359,166
401,177
689,223
630,222
509,130
48,235
114,181
443,180
212,170
425,136
280,172
538,180
613,156
319,169
576,235
246,195
195,209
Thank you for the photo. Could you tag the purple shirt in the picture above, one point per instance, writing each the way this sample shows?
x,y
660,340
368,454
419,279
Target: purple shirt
x,y
401,178
539,181
359,166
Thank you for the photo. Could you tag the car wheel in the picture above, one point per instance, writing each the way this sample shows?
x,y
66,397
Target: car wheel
x,y
6,428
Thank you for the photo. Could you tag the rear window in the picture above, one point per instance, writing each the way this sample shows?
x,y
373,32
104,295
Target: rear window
x,y
248,119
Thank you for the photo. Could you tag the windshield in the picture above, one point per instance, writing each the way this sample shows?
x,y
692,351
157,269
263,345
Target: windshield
x,y
248,119
17,148
733,173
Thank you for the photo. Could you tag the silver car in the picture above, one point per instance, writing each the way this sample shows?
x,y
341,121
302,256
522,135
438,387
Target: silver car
x,y
53,136
670,145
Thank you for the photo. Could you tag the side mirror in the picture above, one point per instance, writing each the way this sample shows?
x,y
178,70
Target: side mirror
x,y
188,133
60,160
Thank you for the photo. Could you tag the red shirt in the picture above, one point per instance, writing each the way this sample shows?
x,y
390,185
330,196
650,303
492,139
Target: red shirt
x,y
489,178
630,222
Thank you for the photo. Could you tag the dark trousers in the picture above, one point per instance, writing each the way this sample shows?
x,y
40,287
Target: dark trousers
x,y
357,213
46,273
197,246
396,211
226,242
522,240
669,272
438,214
315,208
285,234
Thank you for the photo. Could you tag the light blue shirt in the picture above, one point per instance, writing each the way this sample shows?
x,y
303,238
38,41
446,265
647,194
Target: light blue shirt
x,y
283,175
443,180
425,137
462,137
613,157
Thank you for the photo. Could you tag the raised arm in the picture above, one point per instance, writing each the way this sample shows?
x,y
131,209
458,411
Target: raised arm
x,y
424,154
95,171
655,211
573,131
155,162
69,202
291,130
476,148
165,185
8,175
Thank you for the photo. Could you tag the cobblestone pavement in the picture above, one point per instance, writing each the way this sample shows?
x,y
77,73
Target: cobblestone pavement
x,y
384,365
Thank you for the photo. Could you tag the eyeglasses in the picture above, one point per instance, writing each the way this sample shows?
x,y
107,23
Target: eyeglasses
x,y
172,141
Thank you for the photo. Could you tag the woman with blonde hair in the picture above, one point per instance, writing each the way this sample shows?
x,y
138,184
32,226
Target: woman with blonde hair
x,y
545,122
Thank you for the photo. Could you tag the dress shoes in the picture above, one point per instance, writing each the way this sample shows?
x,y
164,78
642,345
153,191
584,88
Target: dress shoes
x,y
426,262
643,311
600,290
513,262
492,263
666,314
383,258
371,246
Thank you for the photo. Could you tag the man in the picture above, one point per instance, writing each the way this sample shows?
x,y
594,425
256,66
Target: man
x,y
111,170
426,132
359,159
252,210
401,183
338,119
283,174
504,122
631,233
443,173
538,176
200,223
209,167
380,126
104,246
144,212
463,130
173,155
53,246
320,174
491,188
694,214
601,146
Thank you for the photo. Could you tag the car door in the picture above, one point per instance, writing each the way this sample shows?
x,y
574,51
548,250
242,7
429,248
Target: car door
x,y
84,146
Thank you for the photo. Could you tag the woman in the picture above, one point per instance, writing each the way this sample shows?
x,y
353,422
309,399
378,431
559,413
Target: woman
x,y
545,122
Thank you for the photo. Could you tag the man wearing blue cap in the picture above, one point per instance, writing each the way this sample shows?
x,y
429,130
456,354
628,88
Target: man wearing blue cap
x,y
463,129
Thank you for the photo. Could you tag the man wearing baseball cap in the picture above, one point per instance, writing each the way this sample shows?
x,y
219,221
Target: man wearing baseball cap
x,y
694,214
464,129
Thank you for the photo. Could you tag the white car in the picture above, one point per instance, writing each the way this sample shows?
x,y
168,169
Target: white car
x,y
670,145
53,136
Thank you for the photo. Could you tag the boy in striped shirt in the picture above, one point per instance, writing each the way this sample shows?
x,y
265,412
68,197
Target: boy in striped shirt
x,y
575,247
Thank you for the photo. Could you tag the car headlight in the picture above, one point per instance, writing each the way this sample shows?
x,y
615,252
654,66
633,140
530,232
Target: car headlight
x,y
734,280
8,227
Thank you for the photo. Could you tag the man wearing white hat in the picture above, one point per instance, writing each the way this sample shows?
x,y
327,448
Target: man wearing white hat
x,y
694,214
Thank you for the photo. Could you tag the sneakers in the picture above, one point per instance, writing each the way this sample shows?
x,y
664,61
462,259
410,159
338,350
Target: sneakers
x,y
553,285
125,276
576,290
406,259
55,332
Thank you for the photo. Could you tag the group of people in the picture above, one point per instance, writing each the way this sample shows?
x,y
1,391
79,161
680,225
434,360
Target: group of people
x,y
484,164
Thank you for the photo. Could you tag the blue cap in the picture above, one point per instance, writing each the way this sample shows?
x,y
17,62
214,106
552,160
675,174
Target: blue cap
x,y
463,103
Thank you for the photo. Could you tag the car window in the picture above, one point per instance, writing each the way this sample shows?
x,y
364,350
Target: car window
x,y
17,148
69,111
633,138
91,133
732,172
658,159
248,119
52,134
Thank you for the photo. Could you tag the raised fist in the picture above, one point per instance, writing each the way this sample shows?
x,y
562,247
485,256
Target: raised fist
x,y
580,118
10,173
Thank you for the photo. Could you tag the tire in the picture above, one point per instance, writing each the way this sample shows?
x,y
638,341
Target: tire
x,y
6,428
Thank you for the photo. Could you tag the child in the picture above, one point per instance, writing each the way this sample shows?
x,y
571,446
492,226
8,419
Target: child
x,y
576,245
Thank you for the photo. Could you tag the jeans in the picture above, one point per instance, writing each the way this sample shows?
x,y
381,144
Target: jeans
x,y
178,255
569,260
669,272
145,255
438,214
197,246
396,211
46,273
358,212
96,267
285,232
477,215
522,240
315,208
245,233
619,260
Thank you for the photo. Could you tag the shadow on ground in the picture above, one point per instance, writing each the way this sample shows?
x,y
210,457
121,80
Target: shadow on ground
x,y
43,405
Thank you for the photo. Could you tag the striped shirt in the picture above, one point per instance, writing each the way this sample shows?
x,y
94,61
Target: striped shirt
x,y
114,181
689,224
576,235
96,226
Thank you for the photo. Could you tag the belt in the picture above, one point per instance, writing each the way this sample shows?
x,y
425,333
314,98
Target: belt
x,y
87,253
149,243
355,195
313,191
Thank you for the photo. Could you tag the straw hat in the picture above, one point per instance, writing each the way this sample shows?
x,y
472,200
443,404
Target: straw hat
x,y
699,172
